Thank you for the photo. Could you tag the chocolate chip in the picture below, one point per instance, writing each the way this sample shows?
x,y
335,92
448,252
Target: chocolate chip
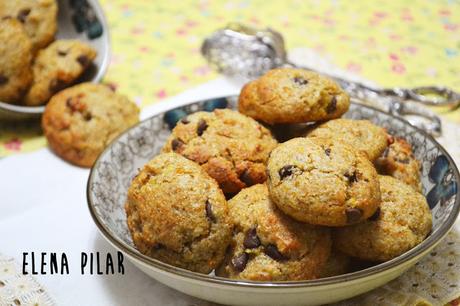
x,y
6,17
245,177
201,127
62,53
353,214
332,106
328,152
375,216
209,212
176,144
300,81
403,161
69,103
56,85
251,241
83,60
87,116
286,171
239,262
3,79
23,14
185,120
158,246
352,178
272,251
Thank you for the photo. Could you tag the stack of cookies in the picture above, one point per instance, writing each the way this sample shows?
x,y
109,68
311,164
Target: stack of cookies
x,y
226,196
33,67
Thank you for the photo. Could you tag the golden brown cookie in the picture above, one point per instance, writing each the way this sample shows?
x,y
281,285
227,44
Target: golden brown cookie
x,y
360,134
177,213
57,67
231,147
39,18
80,121
267,245
403,221
399,161
15,61
287,95
323,182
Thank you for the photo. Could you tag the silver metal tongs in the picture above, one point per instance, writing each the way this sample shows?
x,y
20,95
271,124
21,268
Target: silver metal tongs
x,y
242,51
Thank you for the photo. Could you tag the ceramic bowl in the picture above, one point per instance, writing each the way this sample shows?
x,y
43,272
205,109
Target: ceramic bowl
x,y
67,29
112,173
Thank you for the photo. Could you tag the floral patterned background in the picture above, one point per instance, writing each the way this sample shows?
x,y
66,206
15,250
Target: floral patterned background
x,y
156,44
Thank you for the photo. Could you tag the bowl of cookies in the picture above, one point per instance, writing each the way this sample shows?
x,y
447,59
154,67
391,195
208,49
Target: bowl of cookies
x,y
49,45
288,194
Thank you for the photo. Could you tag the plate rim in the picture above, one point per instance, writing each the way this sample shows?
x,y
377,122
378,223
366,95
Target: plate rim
x,y
387,266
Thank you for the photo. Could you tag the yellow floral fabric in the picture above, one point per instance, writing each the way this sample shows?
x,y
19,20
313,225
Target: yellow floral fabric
x,y
156,44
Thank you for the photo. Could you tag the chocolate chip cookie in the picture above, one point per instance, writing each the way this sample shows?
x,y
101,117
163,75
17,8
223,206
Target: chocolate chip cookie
x,y
57,67
39,18
399,161
231,147
322,181
267,245
360,134
15,61
403,221
80,121
287,95
177,213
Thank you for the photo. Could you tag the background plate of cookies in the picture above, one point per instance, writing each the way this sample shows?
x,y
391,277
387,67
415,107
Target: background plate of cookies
x,y
49,45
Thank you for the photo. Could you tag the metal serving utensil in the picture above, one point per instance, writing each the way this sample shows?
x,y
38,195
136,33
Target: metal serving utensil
x,y
239,50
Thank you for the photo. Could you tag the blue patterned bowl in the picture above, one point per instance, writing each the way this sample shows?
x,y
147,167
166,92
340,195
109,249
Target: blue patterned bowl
x,y
113,171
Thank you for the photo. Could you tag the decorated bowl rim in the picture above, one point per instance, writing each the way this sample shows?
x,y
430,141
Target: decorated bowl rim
x,y
423,247
37,110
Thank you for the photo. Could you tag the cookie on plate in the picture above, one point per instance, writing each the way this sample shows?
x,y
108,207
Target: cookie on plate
x,y
403,221
231,147
57,67
176,213
39,18
322,181
399,161
360,134
287,95
80,121
267,245
15,61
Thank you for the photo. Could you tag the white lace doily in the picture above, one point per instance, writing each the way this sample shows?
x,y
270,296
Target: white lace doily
x,y
18,289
